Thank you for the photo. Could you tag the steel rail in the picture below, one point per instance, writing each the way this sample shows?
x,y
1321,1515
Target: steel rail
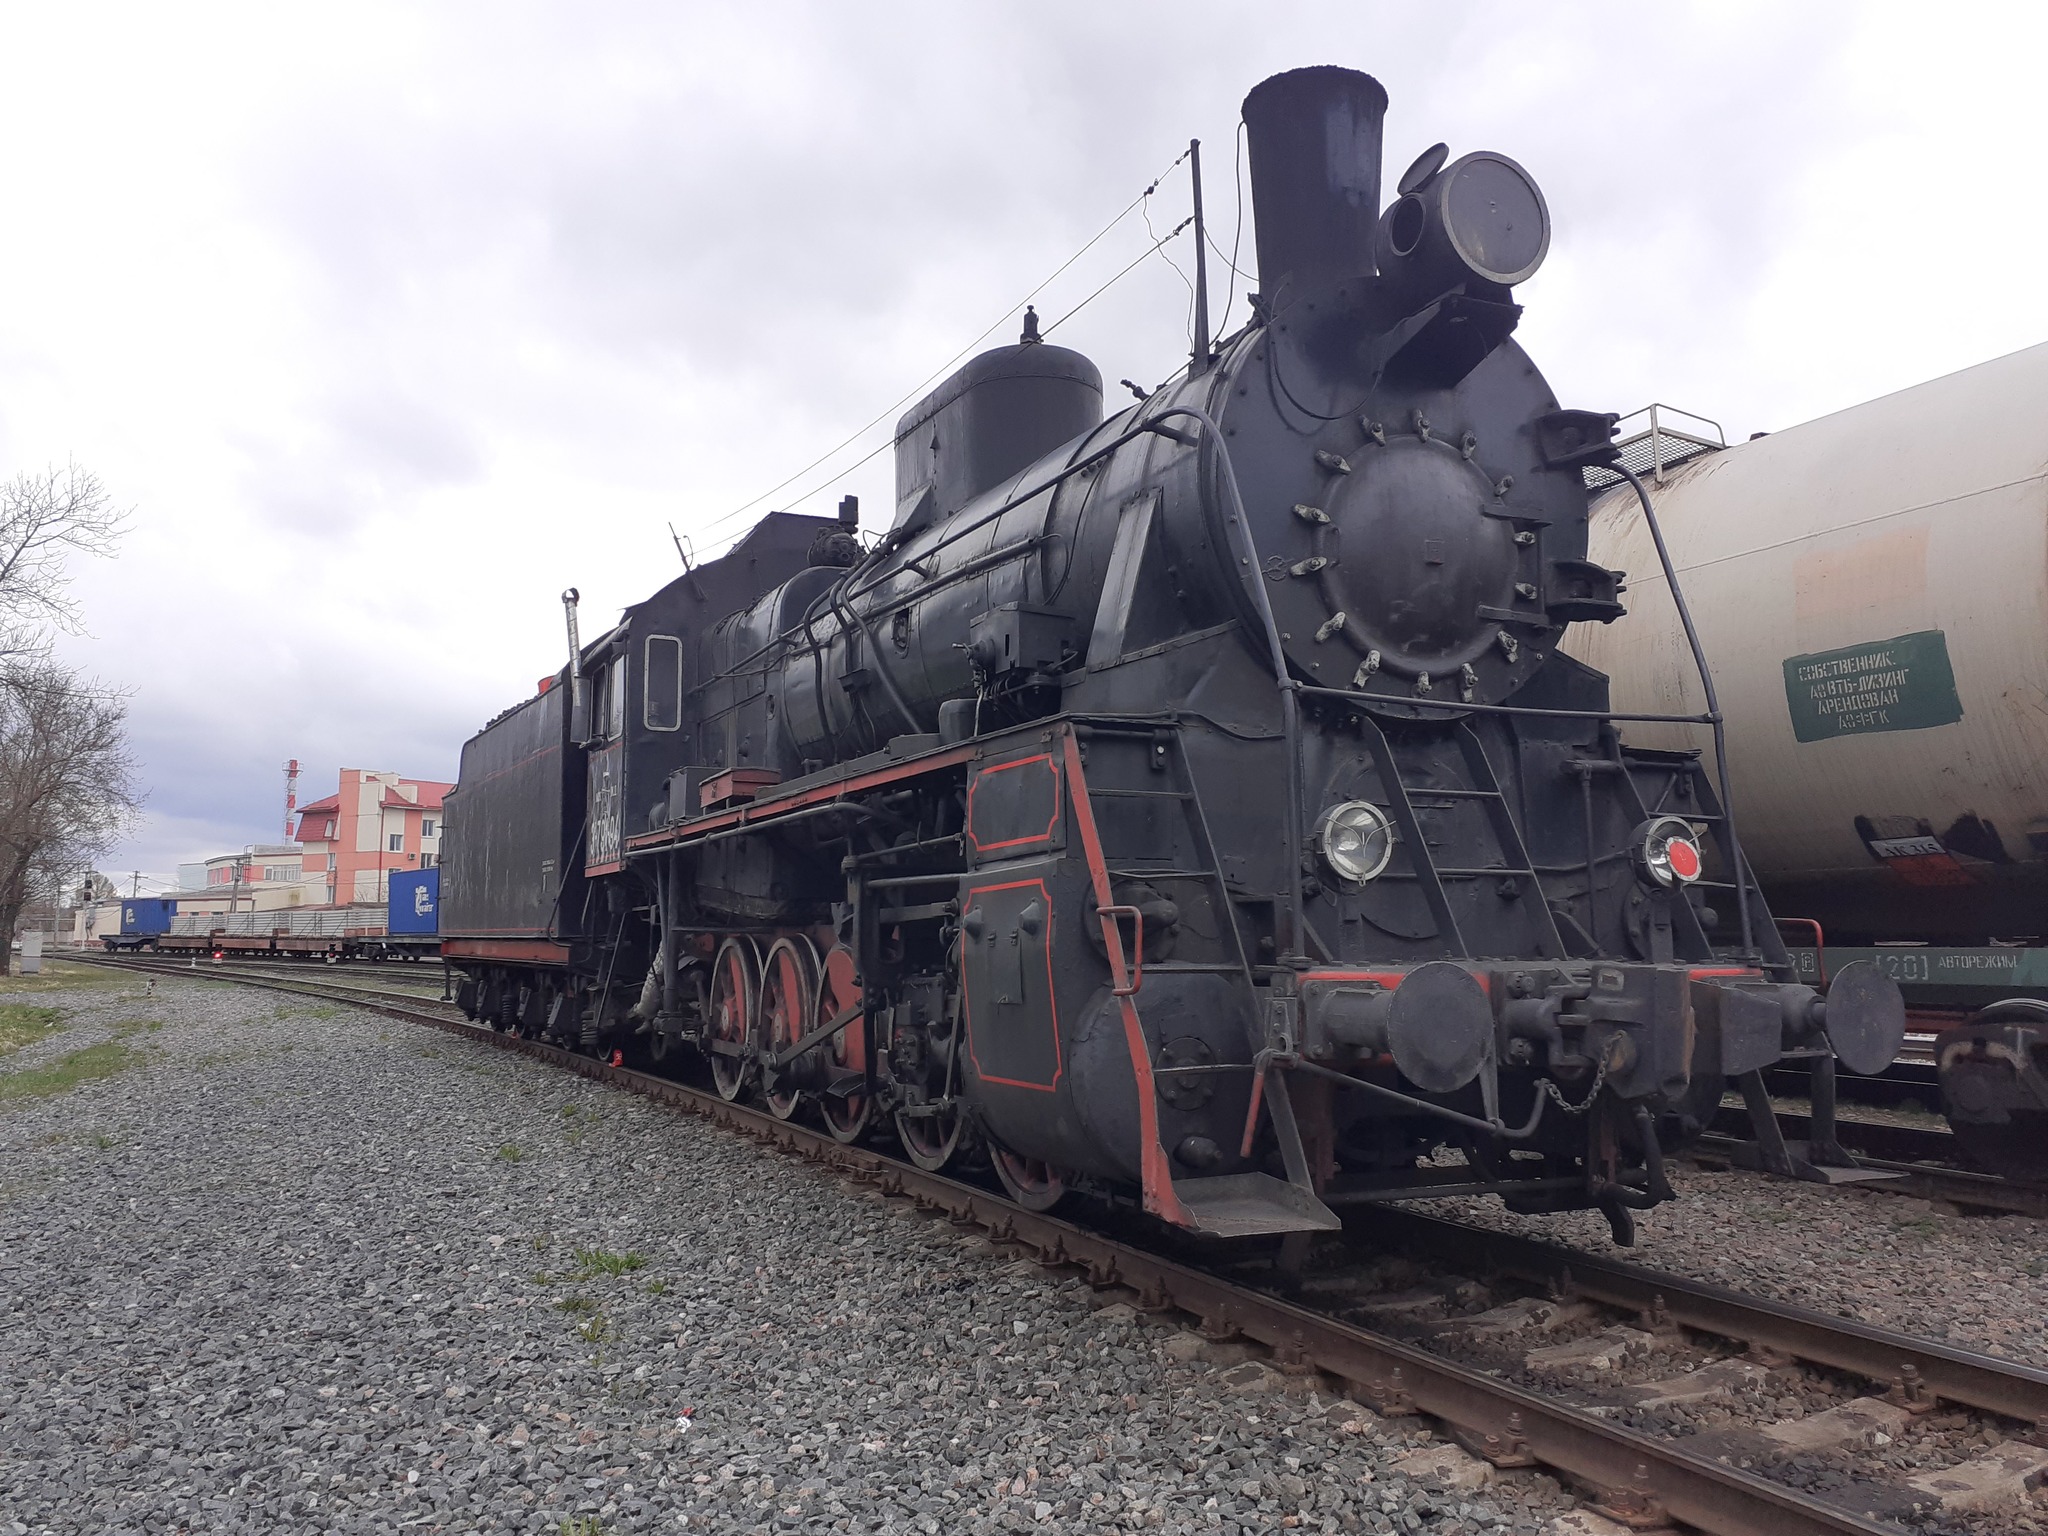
x,y
1877,1354
1921,1180
1637,1476
1874,1138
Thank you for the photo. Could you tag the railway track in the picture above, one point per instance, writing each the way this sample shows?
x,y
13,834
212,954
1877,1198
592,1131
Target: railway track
x,y
1394,1358
1920,1159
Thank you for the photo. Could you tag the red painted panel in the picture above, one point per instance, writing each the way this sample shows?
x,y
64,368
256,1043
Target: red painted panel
x,y
1030,839
1052,997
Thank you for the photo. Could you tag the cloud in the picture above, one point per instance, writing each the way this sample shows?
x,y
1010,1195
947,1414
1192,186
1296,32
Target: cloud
x,y
392,323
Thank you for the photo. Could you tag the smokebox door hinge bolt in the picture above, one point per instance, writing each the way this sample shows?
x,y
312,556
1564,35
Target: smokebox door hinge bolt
x,y
1526,537
1309,514
1309,566
1422,426
1335,463
1468,683
1422,684
1526,591
1467,446
1506,484
1331,625
1510,647
1366,668
1374,430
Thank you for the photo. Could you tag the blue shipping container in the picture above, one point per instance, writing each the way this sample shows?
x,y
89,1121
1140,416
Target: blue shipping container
x,y
415,901
147,915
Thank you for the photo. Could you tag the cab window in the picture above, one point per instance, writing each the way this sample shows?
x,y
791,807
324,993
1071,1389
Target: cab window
x,y
662,696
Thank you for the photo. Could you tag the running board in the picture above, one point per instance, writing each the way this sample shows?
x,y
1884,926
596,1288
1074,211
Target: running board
x,y
1252,1205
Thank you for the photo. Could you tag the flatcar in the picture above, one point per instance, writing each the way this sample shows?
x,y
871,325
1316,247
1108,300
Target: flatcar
x,y
406,927
1189,805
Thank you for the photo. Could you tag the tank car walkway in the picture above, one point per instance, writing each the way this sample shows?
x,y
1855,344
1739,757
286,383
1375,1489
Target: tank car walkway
x,y
269,1265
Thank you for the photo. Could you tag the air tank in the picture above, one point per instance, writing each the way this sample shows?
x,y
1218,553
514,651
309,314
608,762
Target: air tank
x,y
1871,590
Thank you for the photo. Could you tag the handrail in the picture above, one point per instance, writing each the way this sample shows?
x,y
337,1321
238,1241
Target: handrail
x,y
1738,865
1290,689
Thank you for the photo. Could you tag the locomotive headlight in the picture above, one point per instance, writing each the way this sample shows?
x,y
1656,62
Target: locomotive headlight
x,y
1666,853
1357,840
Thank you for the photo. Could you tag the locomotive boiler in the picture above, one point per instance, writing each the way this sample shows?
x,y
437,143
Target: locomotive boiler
x,y
1871,588
1189,804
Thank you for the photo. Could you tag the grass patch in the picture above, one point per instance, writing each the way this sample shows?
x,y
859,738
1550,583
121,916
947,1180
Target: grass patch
x,y
93,1064
656,1287
580,1305
592,1262
286,1011
24,1024
594,1329
581,1525
510,1152
63,976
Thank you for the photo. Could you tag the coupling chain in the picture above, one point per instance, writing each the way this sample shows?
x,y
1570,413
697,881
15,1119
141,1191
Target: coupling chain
x,y
1584,1104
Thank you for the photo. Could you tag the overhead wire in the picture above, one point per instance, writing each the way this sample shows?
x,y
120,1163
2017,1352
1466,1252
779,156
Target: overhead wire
x,y
888,443
1063,319
1236,238
1158,245
946,367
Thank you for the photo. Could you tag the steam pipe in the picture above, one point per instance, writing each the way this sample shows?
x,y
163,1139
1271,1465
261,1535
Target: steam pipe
x,y
1200,351
570,599
1238,529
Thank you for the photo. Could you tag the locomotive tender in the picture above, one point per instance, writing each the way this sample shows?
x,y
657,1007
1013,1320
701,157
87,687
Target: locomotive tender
x,y
1190,803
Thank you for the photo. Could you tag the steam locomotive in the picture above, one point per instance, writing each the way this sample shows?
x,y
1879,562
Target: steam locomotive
x,y
1192,804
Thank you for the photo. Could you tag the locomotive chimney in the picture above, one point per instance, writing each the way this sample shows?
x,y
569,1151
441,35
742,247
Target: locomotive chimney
x,y
1314,136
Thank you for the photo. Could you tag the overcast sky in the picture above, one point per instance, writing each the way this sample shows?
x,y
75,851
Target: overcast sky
x,y
391,322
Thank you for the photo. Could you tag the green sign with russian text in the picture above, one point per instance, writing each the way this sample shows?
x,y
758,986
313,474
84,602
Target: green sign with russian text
x,y
1901,684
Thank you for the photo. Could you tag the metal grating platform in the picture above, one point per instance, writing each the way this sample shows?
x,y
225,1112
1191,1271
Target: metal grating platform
x,y
1658,447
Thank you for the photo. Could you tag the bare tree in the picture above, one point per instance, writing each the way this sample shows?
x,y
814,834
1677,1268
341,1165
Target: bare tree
x,y
67,781
45,517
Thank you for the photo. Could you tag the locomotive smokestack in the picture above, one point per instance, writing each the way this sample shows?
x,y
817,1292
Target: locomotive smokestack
x,y
1314,136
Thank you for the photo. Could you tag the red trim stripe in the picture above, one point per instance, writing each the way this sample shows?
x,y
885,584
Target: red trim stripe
x,y
1160,1199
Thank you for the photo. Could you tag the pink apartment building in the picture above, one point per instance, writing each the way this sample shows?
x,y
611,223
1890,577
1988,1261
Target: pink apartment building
x,y
375,823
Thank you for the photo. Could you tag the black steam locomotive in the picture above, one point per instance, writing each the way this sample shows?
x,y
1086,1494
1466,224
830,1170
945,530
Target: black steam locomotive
x,y
1190,803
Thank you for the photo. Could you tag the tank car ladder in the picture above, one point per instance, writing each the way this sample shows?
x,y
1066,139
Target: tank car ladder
x,y
1485,792
1223,1205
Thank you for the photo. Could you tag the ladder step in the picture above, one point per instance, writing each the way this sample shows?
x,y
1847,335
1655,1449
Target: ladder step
x,y
1138,794
1420,792
1482,872
1250,1204
1163,874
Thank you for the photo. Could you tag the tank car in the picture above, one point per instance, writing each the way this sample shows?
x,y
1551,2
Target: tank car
x,y
1189,804
1871,588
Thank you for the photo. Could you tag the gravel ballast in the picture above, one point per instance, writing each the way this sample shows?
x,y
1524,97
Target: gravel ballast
x,y
300,1268
1972,1281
